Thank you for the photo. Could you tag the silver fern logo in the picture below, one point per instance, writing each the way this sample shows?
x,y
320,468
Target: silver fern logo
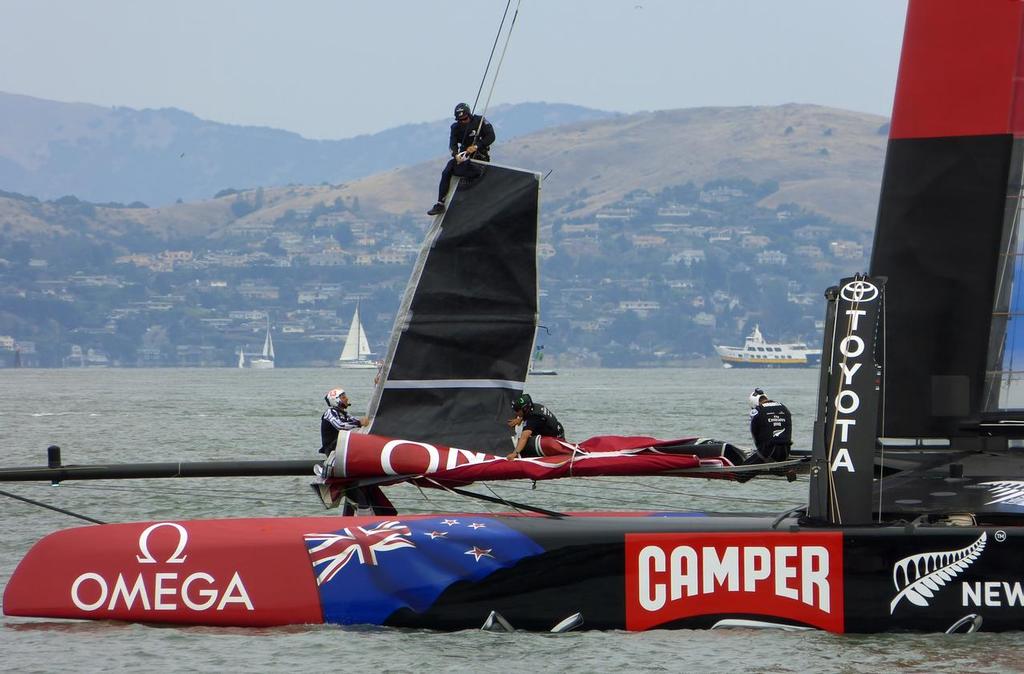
x,y
918,577
1010,492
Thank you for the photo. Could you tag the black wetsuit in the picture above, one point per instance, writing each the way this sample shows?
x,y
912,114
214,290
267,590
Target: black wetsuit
x,y
461,137
330,423
772,429
542,424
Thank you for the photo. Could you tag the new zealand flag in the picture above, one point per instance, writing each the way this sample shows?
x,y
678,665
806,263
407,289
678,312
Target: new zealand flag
x,y
366,573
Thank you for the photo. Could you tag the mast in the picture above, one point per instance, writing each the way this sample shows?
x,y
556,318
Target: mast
x,y
849,389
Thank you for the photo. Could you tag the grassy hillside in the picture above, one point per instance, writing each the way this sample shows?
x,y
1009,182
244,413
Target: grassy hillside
x,y
824,159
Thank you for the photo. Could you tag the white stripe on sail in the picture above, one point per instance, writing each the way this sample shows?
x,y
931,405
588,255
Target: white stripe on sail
x,y
453,383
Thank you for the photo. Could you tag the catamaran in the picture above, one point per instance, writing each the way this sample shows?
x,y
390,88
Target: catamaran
x,y
355,355
915,511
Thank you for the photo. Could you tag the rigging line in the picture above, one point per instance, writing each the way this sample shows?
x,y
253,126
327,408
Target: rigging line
x,y
512,504
497,69
423,493
453,490
502,501
494,46
50,507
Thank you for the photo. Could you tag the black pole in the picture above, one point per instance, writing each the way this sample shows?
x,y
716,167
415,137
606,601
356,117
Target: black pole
x,y
127,471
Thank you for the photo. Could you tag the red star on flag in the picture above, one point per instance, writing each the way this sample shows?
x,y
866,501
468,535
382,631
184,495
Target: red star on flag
x,y
478,552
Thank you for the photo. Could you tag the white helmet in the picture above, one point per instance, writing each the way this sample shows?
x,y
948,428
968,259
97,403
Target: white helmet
x,y
333,398
755,397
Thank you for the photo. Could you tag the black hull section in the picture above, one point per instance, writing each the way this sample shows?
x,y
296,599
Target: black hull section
x,y
884,579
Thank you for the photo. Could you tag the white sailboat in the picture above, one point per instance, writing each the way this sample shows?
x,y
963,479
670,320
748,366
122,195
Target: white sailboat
x,y
263,360
356,354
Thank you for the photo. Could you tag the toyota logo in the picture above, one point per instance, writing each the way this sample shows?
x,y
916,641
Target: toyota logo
x,y
859,291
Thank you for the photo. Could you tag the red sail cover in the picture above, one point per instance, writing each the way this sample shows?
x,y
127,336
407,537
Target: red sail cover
x,y
372,459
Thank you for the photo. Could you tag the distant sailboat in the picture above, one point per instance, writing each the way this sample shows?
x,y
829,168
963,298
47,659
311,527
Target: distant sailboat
x,y
263,360
356,353
536,366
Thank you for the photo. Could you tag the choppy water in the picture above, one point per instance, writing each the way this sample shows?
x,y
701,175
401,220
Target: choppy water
x,y
99,416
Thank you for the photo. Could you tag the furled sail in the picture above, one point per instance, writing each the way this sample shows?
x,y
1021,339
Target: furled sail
x,y
461,344
363,459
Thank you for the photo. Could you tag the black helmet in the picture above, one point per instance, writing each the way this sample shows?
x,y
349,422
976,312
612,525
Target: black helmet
x,y
462,110
523,402
755,397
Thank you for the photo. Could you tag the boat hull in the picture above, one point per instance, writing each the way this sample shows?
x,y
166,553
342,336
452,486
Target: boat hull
x,y
358,365
636,571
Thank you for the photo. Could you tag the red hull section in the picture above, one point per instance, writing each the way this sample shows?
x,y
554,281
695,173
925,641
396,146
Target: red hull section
x,y
253,572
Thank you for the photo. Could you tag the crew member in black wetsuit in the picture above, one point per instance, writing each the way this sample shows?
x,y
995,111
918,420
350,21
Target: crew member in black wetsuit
x,y
772,429
470,138
538,424
335,419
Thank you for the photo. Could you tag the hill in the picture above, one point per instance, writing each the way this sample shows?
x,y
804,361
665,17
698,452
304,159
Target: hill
x,y
662,234
51,149
823,159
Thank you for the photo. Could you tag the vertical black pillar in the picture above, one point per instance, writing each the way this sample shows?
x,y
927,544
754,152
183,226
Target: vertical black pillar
x,y
846,425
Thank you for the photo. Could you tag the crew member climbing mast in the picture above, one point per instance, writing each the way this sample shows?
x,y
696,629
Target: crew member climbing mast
x,y
470,138
471,134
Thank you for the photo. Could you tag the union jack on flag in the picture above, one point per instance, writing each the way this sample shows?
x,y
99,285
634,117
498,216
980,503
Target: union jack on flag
x,y
336,550
359,584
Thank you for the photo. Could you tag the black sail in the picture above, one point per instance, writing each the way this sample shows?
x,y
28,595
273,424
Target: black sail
x,y
947,217
461,343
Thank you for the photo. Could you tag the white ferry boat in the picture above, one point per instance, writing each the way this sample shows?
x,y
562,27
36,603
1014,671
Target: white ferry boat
x,y
756,352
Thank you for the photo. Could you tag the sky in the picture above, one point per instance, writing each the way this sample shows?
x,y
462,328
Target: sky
x,y
338,68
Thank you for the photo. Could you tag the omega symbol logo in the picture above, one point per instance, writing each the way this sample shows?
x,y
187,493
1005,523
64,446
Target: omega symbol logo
x,y
859,291
176,557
